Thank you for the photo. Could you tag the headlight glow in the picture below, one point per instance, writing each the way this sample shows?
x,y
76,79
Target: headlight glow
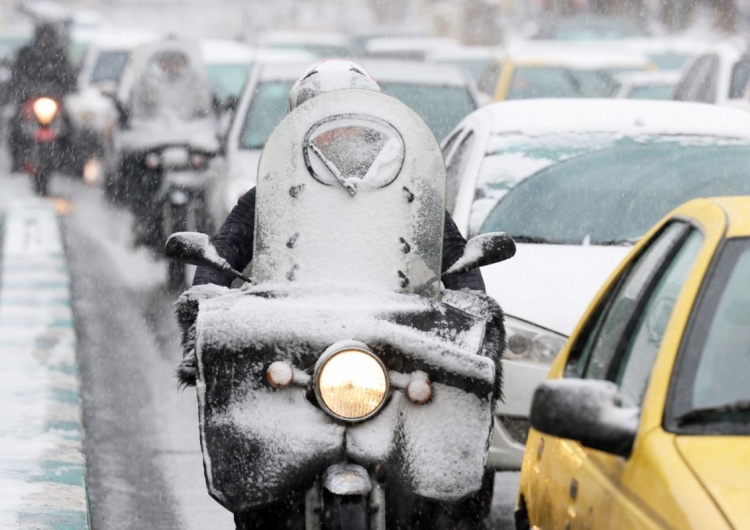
x,y
527,342
351,384
45,110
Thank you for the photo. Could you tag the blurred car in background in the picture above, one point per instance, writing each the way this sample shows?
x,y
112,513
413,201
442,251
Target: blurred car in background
x,y
413,48
718,76
668,53
473,59
543,72
644,419
323,45
590,27
648,85
441,95
576,183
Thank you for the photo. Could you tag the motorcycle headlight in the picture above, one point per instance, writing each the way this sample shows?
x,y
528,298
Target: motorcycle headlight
x,y
351,384
45,110
527,342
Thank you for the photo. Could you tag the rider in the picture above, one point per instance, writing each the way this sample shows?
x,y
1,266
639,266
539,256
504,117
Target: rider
x,y
170,92
40,65
234,240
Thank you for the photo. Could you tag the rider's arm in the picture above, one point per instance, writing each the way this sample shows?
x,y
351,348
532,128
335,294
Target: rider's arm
x,y
233,241
453,249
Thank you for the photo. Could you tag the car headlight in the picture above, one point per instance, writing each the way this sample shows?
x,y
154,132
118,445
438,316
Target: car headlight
x,y
45,110
527,342
351,383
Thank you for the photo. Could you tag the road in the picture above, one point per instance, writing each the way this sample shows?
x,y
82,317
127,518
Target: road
x,y
142,446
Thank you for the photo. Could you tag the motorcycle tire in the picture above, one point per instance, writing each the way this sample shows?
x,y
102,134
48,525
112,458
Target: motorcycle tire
x,y
344,513
41,184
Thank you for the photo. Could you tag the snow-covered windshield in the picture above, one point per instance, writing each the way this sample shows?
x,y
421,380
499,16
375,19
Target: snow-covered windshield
x,y
614,195
109,66
441,108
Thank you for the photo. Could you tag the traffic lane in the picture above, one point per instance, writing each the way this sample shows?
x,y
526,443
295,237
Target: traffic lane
x,y
144,461
112,275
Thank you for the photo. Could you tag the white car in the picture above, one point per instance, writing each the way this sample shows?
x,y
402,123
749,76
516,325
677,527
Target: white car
x,y
323,45
442,95
408,48
719,75
563,177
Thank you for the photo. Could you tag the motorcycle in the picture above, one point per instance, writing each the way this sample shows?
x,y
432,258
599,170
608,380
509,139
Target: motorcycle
x,y
342,388
171,197
40,145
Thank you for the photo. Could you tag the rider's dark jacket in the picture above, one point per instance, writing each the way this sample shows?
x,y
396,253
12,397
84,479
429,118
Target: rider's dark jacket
x,y
234,242
41,67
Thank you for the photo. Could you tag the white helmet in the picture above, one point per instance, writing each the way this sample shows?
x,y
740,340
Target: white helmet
x,y
329,75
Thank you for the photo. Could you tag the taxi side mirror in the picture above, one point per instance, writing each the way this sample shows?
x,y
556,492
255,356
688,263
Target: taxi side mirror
x,y
585,410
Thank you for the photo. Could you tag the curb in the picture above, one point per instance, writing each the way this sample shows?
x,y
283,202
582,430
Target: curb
x,y
42,463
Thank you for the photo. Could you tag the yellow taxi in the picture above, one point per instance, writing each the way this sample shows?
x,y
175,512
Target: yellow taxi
x,y
545,73
644,421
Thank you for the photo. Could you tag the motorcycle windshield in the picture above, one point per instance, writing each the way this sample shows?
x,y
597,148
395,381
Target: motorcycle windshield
x,y
351,190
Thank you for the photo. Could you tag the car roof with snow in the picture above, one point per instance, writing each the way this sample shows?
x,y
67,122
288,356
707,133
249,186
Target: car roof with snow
x,y
288,37
226,51
576,56
108,38
382,70
547,116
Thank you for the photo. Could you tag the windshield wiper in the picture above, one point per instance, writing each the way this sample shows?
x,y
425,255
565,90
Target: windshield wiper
x,y
616,242
534,239
733,412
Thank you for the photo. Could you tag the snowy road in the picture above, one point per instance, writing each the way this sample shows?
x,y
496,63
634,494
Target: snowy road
x,y
145,468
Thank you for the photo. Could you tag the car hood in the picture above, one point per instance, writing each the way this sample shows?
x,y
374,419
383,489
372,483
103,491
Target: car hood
x,y
722,465
243,166
551,285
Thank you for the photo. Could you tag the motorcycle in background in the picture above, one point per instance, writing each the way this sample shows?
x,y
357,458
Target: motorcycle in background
x,y
343,388
41,142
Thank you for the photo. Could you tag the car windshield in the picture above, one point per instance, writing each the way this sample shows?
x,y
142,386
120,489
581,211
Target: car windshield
x,y
663,92
715,366
441,107
475,67
227,79
543,82
670,60
585,28
616,194
318,50
109,66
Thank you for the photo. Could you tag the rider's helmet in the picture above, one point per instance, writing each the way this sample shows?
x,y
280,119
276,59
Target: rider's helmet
x,y
171,62
328,75
45,34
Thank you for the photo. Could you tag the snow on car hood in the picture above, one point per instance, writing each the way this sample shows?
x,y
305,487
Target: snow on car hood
x,y
243,166
551,285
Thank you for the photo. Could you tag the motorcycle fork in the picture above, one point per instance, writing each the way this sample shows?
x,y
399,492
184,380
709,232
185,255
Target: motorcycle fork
x,y
345,485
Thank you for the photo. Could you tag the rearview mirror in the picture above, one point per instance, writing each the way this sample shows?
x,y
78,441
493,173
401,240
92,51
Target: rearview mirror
x,y
484,249
195,248
587,411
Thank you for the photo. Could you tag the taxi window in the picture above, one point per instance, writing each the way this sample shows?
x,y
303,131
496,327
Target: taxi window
x,y
599,343
634,366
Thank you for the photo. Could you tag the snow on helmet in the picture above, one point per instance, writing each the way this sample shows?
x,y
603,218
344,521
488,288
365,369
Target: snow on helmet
x,y
329,75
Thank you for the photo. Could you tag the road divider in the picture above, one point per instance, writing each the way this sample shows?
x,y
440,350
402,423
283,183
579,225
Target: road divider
x,y
42,462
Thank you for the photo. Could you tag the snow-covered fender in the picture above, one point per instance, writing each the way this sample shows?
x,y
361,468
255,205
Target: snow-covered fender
x,y
260,444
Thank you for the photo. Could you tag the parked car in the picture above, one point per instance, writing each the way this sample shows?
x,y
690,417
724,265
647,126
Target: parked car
x,y
473,59
408,48
542,72
718,76
668,53
576,183
644,421
648,85
441,95
321,45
